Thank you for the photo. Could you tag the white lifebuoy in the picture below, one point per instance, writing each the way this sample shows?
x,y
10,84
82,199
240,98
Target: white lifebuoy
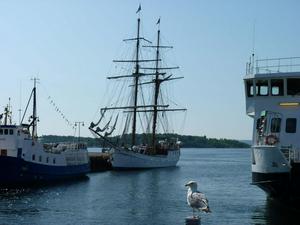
x,y
271,139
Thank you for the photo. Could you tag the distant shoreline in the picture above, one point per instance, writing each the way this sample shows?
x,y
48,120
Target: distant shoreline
x,y
188,141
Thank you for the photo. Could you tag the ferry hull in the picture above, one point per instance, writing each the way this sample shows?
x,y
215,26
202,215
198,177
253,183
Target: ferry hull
x,y
15,171
122,159
281,186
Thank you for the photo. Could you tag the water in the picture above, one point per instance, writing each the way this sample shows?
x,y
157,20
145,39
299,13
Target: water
x,y
149,197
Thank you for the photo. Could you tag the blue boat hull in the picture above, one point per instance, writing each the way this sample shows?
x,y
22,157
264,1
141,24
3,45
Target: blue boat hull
x,y
16,171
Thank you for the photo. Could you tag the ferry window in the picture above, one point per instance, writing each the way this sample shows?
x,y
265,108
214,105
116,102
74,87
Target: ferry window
x,y
258,123
1,132
54,161
40,158
291,124
262,88
277,87
249,86
33,157
11,131
293,86
261,125
47,160
3,152
6,131
275,125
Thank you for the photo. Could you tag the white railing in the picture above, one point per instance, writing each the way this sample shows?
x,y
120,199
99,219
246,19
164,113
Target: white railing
x,y
292,155
277,65
273,65
59,147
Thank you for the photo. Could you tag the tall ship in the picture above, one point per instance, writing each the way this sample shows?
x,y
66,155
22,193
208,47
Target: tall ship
x,y
272,89
24,160
143,109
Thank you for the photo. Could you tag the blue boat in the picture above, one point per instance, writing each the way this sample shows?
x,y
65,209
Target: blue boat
x,y
24,160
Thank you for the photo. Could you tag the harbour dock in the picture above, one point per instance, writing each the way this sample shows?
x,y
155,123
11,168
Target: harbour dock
x,y
99,161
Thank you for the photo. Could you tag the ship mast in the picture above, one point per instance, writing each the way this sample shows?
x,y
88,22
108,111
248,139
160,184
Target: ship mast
x,y
156,92
7,114
34,113
134,108
136,83
157,82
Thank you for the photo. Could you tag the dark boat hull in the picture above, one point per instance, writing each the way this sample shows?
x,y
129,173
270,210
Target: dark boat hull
x,y
282,186
16,172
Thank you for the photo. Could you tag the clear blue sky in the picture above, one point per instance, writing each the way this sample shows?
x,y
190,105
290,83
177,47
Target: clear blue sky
x,y
70,44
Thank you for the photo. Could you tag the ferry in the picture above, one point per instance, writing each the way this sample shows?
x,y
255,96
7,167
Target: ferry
x,y
24,160
272,90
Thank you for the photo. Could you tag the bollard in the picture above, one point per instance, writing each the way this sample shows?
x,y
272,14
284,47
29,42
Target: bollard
x,y
193,221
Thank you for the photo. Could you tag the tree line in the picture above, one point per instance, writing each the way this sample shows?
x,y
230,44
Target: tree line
x,y
187,141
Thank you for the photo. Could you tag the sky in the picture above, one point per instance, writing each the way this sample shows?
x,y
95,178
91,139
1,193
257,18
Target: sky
x,y
70,44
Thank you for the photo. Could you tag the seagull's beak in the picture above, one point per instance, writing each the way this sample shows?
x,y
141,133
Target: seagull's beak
x,y
186,185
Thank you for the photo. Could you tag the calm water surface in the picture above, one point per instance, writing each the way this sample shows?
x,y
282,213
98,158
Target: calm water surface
x,y
152,196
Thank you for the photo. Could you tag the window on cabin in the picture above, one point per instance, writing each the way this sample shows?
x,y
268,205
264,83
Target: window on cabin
x,y
258,123
3,152
262,88
54,161
277,87
1,132
261,125
275,125
293,86
11,131
47,160
6,131
250,88
40,158
291,124
33,157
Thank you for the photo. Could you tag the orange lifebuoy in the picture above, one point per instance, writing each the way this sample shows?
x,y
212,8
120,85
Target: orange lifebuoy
x,y
271,139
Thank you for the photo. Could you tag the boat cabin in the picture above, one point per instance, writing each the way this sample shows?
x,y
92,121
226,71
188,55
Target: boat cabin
x,y
272,91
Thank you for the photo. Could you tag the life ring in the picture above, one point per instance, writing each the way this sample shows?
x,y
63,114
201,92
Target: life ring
x,y
271,139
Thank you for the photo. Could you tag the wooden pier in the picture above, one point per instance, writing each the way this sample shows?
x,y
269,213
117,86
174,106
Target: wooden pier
x,y
99,161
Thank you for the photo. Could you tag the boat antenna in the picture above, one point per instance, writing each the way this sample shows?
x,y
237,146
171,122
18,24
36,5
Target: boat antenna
x,y
253,47
20,103
9,111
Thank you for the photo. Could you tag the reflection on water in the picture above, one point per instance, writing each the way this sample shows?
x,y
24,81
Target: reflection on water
x,y
276,213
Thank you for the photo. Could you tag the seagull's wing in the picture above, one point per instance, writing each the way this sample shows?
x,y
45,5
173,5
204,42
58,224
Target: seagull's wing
x,y
198,200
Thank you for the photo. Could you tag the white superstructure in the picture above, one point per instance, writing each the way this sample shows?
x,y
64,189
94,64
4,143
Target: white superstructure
x,y
272,90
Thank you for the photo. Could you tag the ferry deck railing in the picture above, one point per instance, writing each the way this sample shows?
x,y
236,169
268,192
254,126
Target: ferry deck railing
x,y
273,65
291,154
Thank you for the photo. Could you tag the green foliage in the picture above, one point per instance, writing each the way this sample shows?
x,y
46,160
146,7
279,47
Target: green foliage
x,y
188,141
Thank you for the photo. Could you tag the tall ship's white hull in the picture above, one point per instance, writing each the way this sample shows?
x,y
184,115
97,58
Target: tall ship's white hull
x,y
126,159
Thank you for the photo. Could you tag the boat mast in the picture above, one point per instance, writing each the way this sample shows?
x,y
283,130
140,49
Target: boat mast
x,y
156,92
7,114
136,80
34,113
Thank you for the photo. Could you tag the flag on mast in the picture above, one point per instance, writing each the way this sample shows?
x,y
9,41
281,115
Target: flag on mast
x,y
139,9
158,21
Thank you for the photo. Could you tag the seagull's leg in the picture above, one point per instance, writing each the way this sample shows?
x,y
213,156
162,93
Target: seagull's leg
x,y
193,213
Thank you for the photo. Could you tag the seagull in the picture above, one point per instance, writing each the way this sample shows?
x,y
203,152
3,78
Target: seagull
x,y
196,199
